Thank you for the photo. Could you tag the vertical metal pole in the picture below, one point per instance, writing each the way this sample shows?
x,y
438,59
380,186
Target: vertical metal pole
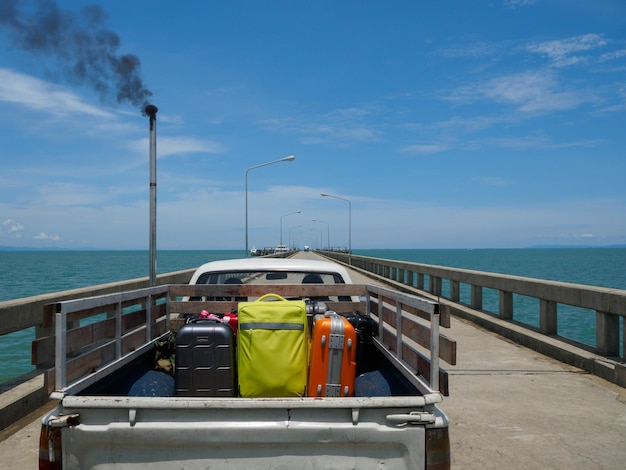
x,y
118,330
434,351
148,318
167,310
60,359
151,111
247,251
349,232
399,332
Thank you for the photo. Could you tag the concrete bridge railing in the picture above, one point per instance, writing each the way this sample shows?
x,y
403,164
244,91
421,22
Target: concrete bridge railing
x,y
465,291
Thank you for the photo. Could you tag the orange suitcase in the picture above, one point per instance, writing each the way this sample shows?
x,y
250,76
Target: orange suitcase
x,y
332,366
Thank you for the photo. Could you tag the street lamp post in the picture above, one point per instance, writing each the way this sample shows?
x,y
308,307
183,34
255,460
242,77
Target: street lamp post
x,y
349,223
281,224
328,232
290,158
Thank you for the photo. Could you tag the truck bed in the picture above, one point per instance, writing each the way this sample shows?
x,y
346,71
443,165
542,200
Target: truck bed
x,y
239,433
122,413
139,378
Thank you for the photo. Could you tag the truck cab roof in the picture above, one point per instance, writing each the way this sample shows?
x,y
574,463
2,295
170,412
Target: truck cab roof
x,y
271,270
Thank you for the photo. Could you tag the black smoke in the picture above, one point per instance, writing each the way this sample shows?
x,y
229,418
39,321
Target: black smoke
x,y
85,51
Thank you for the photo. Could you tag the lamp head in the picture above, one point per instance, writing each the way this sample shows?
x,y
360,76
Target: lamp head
x,y
290,158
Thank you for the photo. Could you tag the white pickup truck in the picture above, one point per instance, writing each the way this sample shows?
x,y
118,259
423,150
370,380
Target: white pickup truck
x,y
103,347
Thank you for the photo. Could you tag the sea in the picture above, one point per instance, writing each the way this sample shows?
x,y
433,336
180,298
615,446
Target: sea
x,y
26,273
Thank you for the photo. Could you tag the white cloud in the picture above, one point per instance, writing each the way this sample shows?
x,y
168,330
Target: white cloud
x,y
12,226
530,92
565,52
168,146
186,221
613,55
44,96
45,236
10,229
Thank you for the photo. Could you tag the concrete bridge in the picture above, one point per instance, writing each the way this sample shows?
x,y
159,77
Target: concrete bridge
x,y
509,405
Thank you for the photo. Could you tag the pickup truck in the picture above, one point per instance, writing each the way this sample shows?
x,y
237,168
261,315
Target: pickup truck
x,y
104,346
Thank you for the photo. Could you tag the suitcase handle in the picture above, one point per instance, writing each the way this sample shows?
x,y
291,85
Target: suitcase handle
x,y
276,296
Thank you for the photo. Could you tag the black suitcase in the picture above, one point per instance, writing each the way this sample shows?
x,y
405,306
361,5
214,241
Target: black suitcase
x,y
366,328
205,360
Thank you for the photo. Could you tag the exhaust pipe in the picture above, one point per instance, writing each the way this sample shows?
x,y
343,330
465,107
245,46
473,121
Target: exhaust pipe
x,y
150,111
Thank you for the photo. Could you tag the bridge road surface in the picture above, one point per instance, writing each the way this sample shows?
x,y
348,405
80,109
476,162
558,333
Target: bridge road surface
x,y
509,408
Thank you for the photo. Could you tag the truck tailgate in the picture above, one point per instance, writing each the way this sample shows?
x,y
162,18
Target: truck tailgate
x,y
338,433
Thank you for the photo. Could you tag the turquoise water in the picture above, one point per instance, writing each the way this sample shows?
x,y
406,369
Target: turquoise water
x,y
26,273
604,267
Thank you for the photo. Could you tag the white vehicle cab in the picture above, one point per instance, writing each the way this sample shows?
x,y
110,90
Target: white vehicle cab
x,y
269,271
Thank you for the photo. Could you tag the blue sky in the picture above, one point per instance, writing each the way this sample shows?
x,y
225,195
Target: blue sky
x,y
448,124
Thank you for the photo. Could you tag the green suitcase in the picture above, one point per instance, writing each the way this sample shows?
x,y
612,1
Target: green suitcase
x,y
272,347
